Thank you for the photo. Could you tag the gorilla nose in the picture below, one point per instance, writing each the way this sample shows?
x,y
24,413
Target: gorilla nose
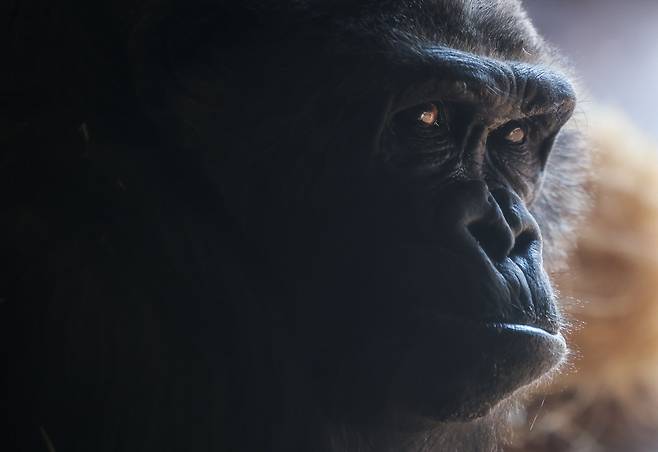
x,y
505,228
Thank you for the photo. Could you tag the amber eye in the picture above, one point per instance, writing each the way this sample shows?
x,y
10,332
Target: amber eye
x,y
429,115
516,135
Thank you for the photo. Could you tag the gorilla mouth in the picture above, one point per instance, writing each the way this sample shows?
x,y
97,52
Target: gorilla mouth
x,y
512,356
521,301
513,290
480,363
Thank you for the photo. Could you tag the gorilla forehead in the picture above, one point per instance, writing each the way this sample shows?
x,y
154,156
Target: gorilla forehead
x,y
492,28
497,29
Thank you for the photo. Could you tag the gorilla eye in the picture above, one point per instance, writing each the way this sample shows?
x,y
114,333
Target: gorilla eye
x,y
429,115
426,122
515,136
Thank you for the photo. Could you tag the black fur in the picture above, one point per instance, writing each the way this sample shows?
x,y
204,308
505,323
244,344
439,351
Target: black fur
x,y
214,239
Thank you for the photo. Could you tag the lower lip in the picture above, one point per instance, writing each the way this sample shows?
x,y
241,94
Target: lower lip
x,y
525,329
552,345
479,363
543,348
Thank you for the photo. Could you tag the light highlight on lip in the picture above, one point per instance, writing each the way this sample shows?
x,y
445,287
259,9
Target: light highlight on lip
x,y
527,329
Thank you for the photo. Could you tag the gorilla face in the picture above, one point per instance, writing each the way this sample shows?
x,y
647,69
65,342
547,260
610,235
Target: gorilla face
x,y
262,225
386,171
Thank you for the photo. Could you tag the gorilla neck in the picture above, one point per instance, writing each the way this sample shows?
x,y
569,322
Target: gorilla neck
x,y
395,435
486,433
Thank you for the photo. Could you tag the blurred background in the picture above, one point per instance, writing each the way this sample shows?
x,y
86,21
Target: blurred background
x,y
613,45
607,398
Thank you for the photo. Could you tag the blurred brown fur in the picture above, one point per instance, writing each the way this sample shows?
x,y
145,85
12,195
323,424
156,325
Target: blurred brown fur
x,y
608,400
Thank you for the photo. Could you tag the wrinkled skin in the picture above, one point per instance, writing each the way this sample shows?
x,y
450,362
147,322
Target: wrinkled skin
x,y
302,261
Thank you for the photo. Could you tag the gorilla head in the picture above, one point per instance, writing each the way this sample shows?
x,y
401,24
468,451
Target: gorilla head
x,y
337,234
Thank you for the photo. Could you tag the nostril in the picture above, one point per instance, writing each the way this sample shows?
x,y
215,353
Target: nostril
x,y
522,243
495,240
501,225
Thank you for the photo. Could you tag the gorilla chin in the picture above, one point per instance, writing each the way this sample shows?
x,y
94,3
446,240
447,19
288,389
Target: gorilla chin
x,y
487,363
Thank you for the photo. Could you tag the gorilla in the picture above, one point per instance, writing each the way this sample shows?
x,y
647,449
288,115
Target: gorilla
x,y
310,225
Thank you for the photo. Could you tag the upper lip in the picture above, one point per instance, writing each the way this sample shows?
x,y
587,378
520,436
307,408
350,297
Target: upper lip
x,y
495,292
532,312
